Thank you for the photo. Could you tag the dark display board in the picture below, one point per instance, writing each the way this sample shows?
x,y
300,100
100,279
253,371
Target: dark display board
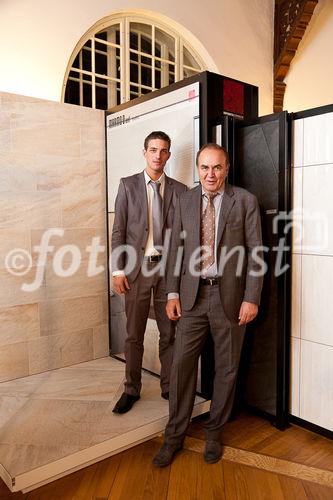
x,y
261,166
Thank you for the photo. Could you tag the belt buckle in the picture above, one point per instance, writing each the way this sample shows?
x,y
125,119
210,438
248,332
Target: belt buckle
x,y
210,281
155,258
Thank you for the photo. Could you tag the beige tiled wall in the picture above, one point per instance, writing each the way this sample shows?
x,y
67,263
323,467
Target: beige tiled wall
x,y
52,175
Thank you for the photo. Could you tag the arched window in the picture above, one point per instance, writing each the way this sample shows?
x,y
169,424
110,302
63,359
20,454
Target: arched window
x,y
123,57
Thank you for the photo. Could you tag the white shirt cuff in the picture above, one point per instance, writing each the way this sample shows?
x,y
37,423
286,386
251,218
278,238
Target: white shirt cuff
x,y
118,273
173,295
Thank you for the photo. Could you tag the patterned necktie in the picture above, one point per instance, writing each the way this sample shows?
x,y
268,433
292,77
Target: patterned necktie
x,y
208,232
157,214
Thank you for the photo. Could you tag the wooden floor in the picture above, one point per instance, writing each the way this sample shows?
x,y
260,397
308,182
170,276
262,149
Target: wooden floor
x,y
259,462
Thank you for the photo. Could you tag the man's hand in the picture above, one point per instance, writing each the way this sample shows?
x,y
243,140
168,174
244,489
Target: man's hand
x,y
247,312
120,284
173,309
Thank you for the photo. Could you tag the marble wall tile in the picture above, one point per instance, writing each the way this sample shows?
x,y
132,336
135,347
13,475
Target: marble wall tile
x,y
105,314
86,176
49,172
11,292
78,348
14,361
55,351
15,179
82,210
316,401
34,171
93,138
80,237
30,210
10,239
18,323
317,290
83,200
60,316
43,133
101,341
76,285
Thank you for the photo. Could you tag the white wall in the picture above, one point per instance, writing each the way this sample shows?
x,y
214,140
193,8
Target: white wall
x,y
37,38
310,78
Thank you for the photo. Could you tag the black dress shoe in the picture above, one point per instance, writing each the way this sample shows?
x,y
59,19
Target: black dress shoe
x,y
213,451
166,454
125,403
165,395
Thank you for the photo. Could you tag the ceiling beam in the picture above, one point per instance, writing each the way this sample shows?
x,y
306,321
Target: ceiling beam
x,y
290,22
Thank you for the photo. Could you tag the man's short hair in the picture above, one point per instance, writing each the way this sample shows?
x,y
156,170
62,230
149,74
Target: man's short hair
x,y
157,134
212,145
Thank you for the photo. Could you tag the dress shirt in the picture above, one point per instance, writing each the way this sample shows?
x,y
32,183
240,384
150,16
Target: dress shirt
x,y
211,271
150,250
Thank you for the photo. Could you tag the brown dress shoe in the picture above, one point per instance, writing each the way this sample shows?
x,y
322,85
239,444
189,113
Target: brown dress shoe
x,y
166,454
213,451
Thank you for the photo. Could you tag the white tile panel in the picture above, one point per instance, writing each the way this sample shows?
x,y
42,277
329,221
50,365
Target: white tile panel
x,y
294,376
317,237
296,295
297,145
318,139
316,395
297,209
317,293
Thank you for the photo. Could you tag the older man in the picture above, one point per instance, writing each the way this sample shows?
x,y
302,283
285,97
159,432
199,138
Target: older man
x,y
217,290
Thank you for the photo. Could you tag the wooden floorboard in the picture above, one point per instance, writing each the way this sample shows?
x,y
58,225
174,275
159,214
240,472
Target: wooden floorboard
x,y
137,478
259,463
252,433
268,463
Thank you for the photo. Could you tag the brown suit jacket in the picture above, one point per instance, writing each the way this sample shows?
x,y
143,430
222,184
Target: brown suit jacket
x,y
130,225
239,225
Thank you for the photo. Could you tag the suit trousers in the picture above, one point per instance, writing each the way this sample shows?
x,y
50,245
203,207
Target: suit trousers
x,y
137,304
192,330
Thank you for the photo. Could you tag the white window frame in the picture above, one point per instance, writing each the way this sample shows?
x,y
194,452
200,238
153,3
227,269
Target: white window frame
x,y
123,83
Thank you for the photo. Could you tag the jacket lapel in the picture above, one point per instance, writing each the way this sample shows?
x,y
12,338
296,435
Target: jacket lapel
x,y
194,211
143,195
168,192
227,203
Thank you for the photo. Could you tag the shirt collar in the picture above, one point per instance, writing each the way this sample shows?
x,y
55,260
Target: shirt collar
x,y
203,192
161,179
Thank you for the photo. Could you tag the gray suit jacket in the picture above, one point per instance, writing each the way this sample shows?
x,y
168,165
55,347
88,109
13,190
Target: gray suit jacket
x,y
239,225
130,225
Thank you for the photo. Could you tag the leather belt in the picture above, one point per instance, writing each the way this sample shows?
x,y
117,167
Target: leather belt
x,y
153,258
209,281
